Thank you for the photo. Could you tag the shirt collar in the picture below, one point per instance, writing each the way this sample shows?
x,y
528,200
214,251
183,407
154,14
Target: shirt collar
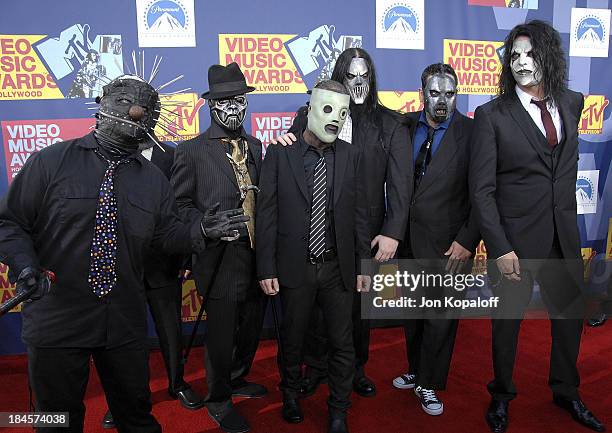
x,y
443,125
304,146
216,131
526,98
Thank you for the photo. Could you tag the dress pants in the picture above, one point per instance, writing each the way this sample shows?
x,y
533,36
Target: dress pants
x,y
233,323
430,332
59,376
565,303
165,306
316,345
322,287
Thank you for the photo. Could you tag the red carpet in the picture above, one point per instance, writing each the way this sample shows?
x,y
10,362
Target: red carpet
x,y
392,410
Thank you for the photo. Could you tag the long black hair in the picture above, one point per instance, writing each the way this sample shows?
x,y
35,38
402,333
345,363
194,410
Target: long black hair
x,y
371,108
546,51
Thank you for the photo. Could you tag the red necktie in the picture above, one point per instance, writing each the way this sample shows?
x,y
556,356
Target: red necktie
x,y
549,126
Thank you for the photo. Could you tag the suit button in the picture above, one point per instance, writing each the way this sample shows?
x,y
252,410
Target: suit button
x,y
556,207
413,202
303,238
306,210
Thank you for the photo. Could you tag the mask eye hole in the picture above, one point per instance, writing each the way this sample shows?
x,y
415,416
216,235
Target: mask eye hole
x,y
123,100
515,56
343,114
328,109
350,76
434,93
240,99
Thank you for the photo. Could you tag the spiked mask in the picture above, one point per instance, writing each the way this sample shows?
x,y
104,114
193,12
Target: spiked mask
x,y
128,111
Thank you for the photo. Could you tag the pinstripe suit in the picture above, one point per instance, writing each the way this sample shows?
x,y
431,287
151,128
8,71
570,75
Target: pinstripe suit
x,y
225,271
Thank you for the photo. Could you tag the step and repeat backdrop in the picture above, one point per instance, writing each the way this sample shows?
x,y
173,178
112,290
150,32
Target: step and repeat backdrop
x,y
56,56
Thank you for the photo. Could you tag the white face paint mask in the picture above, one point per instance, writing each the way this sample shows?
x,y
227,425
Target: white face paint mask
x,y
525,70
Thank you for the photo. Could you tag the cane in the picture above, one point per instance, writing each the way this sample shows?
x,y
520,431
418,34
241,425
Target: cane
x,y
193,334
279,341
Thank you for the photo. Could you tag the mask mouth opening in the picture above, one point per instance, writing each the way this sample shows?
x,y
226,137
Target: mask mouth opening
x,y
359,93
441,111
524,72
331,129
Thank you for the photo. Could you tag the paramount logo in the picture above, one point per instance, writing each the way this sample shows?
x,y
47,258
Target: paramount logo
x,y
166,23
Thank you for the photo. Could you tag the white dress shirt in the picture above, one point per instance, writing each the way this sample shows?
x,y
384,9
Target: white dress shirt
x,y
536,114
148,153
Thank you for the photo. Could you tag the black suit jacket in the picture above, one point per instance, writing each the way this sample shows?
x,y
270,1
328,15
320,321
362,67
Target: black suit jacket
x,y
519,194
202,176
161,270
386,159
440,210
283,215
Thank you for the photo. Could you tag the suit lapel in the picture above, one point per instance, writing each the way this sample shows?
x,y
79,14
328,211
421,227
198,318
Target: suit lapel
x,y
527,127
253,162
339,169
216,150
296,162
444,155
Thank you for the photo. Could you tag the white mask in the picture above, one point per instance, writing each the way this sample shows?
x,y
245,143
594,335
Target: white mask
x,y
525,70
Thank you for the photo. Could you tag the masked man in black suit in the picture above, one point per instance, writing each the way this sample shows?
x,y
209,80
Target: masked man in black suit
x,y
219,169
440,228
312,233
523,179
384,143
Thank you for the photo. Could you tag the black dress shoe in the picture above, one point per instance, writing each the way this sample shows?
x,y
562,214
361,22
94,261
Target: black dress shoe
x,y
364,387
108,421
310,383
579,412
189,398
291,411
229,420
597,320
497,416
338,425
242,388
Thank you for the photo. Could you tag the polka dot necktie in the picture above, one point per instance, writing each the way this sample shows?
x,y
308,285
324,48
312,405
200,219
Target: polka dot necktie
x,y
102,275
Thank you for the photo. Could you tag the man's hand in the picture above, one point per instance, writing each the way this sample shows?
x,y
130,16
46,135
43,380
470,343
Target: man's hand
x,y
270,286
215,224
29,279
363,283
386,247
458,257
286,139
508,265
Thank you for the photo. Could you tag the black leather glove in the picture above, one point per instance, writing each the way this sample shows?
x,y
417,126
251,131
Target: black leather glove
x,y
29,279
215,224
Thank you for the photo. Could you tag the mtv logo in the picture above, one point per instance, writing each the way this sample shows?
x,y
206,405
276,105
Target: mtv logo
x,y
318,51
65,53
593,114
404,102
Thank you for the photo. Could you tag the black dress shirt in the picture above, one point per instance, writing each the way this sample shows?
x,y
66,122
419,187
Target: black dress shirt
x,y
311,157
47,221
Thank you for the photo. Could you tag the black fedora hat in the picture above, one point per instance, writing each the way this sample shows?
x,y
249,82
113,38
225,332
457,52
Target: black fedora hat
x,y
226,81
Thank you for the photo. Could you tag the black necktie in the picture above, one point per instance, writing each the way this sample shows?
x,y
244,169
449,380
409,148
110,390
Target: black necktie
x,y
423,158
316,243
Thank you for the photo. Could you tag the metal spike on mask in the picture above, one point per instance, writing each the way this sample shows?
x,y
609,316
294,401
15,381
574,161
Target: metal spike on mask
x,y
166,84
155,141
134,63
174,93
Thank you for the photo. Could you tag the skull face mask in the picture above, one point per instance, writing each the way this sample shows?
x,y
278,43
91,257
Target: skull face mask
x,y
525,69
129,109
440,97
357,80
229,112
326,114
